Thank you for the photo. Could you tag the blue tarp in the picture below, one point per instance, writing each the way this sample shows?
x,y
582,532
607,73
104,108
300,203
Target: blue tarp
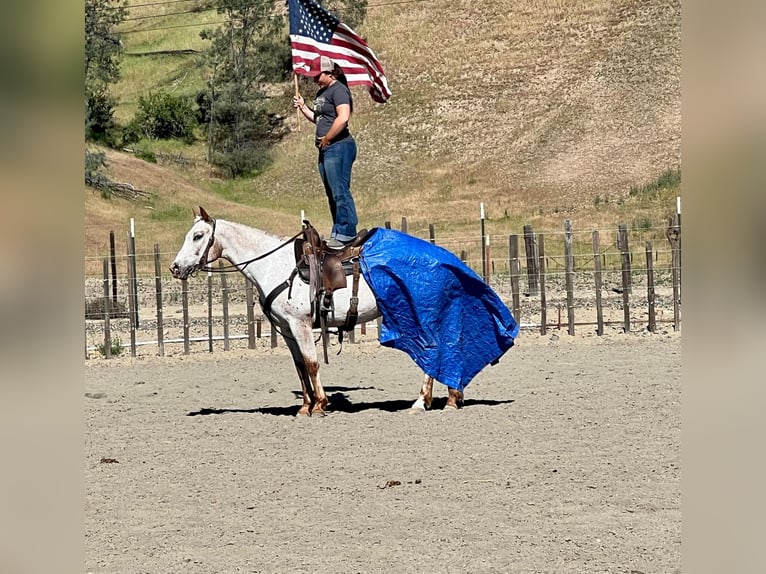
x,y
435,308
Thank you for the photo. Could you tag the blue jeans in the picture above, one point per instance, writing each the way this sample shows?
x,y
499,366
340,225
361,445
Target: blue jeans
x,y
335,163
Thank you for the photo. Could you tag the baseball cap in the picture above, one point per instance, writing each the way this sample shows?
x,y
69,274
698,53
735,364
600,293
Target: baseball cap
x,y
323,64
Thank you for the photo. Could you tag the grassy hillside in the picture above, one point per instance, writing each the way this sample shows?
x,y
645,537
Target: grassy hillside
x,y
542,110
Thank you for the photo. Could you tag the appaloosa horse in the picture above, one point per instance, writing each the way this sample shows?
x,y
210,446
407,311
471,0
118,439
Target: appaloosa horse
x,y
269,262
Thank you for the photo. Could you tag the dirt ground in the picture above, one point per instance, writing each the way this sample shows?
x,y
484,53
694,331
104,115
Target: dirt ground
x,y
564,459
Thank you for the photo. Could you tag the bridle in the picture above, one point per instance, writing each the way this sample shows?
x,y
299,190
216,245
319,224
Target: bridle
x,y
265,304
240,266
203,259
200,265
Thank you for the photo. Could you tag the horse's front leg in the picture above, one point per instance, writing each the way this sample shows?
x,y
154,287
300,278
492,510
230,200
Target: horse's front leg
x,y
303,373
423,402
304,338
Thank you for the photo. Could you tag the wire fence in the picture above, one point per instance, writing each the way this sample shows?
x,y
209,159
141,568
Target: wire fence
x,y
621,279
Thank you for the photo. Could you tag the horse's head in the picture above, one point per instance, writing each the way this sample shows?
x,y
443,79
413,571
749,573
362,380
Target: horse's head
x,y
198,248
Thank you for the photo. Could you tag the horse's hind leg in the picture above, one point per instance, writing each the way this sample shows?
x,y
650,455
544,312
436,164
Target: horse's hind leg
x,y
423,402
455,399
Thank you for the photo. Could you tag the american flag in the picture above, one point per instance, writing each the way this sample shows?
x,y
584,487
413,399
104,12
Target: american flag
x,y
314,32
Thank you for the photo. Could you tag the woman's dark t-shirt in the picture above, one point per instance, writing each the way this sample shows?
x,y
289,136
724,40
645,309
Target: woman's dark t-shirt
x,y
324,109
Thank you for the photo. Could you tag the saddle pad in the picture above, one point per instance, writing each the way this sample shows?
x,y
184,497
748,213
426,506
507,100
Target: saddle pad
x,y
435,308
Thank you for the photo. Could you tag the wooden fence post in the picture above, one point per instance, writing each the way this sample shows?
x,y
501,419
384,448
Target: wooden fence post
x,y
404,225
158,293
225,304
483,251
531,253
622,242
210,311
185,307
650,288
541,269
569,275
107,329
597,280
513,261
113,259
674,237
678,236
431,234
132,257
625,257
132,299
488,259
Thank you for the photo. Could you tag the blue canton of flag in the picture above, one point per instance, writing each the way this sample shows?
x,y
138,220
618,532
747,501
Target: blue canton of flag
x,y
311,20
314,32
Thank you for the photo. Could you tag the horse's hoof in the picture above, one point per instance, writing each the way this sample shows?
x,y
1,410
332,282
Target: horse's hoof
x,y
450,407
420,405
416,410
304,410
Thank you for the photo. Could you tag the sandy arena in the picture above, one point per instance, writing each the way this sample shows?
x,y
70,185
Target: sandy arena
x,y
564,459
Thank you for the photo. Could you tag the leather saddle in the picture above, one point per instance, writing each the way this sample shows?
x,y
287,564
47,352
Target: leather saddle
x,y
325,271
334,265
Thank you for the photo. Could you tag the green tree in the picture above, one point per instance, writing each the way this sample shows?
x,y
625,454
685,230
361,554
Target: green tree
x,y
247,51
103,49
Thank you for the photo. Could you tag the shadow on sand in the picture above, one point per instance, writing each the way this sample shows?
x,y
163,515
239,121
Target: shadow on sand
x,y
340,403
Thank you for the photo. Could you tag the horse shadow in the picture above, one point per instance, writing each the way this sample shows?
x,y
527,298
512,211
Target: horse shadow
x,y
340,403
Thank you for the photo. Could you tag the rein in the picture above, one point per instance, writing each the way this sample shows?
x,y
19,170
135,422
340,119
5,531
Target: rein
x,y
265,305
236,266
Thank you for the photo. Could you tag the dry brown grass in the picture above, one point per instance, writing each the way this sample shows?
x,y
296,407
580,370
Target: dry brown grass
x,y
540,110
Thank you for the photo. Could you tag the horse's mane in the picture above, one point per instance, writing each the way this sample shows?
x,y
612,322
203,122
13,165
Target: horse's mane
x,y
244,227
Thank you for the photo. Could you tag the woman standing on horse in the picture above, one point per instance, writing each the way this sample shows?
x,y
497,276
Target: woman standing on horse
x,y
331,112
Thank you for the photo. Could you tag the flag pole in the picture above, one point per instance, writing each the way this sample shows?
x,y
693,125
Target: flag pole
x,y
297,110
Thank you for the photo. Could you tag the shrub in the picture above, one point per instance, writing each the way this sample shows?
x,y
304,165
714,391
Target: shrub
x,y
94,177
162,116
94,161
115,347
145,154
668,179
642,224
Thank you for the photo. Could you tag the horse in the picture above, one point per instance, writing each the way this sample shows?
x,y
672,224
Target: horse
x,y
269,262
